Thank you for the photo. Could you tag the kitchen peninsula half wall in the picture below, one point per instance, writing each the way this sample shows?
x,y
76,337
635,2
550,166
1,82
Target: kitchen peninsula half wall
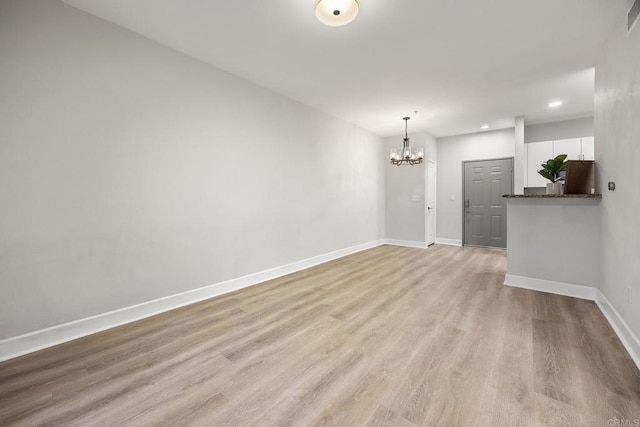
x,y
553,243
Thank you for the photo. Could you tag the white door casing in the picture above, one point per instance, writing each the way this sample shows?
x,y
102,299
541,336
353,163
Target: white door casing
x,y
431,203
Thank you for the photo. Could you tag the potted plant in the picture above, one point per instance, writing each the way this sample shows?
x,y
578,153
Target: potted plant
x,y
553,171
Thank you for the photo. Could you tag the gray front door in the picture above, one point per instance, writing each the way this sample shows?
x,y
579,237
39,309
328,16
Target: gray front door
x,y
485,210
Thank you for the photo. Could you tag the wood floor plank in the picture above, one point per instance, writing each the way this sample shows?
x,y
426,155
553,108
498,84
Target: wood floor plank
x,y
385,417
414,390
353,405
552,412
386,337
515,389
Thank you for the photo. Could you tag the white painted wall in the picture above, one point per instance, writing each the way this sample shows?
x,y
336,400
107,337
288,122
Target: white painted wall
x,y
404,217
617,136
129,172
554,239
565,129
452,151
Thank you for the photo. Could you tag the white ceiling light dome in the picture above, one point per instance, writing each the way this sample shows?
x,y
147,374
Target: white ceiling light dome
x,y
336,12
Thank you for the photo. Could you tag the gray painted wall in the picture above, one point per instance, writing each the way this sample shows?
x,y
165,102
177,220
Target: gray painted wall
x,y
565,129
404,217
617,136
130,172
452,151
554,240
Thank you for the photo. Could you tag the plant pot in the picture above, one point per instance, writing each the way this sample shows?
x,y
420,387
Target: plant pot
x,y
554,188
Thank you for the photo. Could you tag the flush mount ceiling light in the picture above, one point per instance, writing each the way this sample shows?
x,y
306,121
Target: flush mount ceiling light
x,y
336,12
555,104
406,155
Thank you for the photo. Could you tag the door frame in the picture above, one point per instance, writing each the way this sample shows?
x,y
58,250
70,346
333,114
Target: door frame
x,y
426,201
464,162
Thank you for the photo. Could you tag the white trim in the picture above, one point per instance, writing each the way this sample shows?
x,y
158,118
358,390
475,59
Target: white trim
x,y
549,286
426,201
629,340
624,332
407,243
37,340
451,242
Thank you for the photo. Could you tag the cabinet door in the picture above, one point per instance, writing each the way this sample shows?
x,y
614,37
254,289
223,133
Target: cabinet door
x,y
570,147
537,153
588,148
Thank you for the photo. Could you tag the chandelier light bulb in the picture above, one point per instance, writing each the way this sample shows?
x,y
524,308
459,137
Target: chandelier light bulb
x,y
336,12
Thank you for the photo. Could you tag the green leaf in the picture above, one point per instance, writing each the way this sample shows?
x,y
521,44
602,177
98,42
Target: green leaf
x,y
552,168
546,174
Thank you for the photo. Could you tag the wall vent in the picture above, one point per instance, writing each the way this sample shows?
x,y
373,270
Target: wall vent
x,y
633,15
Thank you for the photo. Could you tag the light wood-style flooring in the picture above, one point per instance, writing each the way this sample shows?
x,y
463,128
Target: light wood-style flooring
x,y
386,337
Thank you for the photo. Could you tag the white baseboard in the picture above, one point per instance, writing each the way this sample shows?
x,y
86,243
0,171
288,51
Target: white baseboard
x,y
38,340
450,242
629,340
407,243
558,288
624,332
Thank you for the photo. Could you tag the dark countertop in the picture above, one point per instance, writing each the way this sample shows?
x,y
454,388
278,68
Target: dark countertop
x,y
553,196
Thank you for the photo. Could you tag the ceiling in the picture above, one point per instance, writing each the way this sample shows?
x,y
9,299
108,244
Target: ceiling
x,y
459,63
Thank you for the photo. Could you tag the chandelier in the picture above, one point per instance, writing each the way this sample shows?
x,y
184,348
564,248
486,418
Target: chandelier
x,y
406,155
336,12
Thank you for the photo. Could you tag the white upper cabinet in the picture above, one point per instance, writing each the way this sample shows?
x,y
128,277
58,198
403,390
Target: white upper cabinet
x,y
570,147
588,148
537,153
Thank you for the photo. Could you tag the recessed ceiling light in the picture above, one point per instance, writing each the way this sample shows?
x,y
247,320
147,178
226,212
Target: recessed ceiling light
x,y
555,104
484,127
